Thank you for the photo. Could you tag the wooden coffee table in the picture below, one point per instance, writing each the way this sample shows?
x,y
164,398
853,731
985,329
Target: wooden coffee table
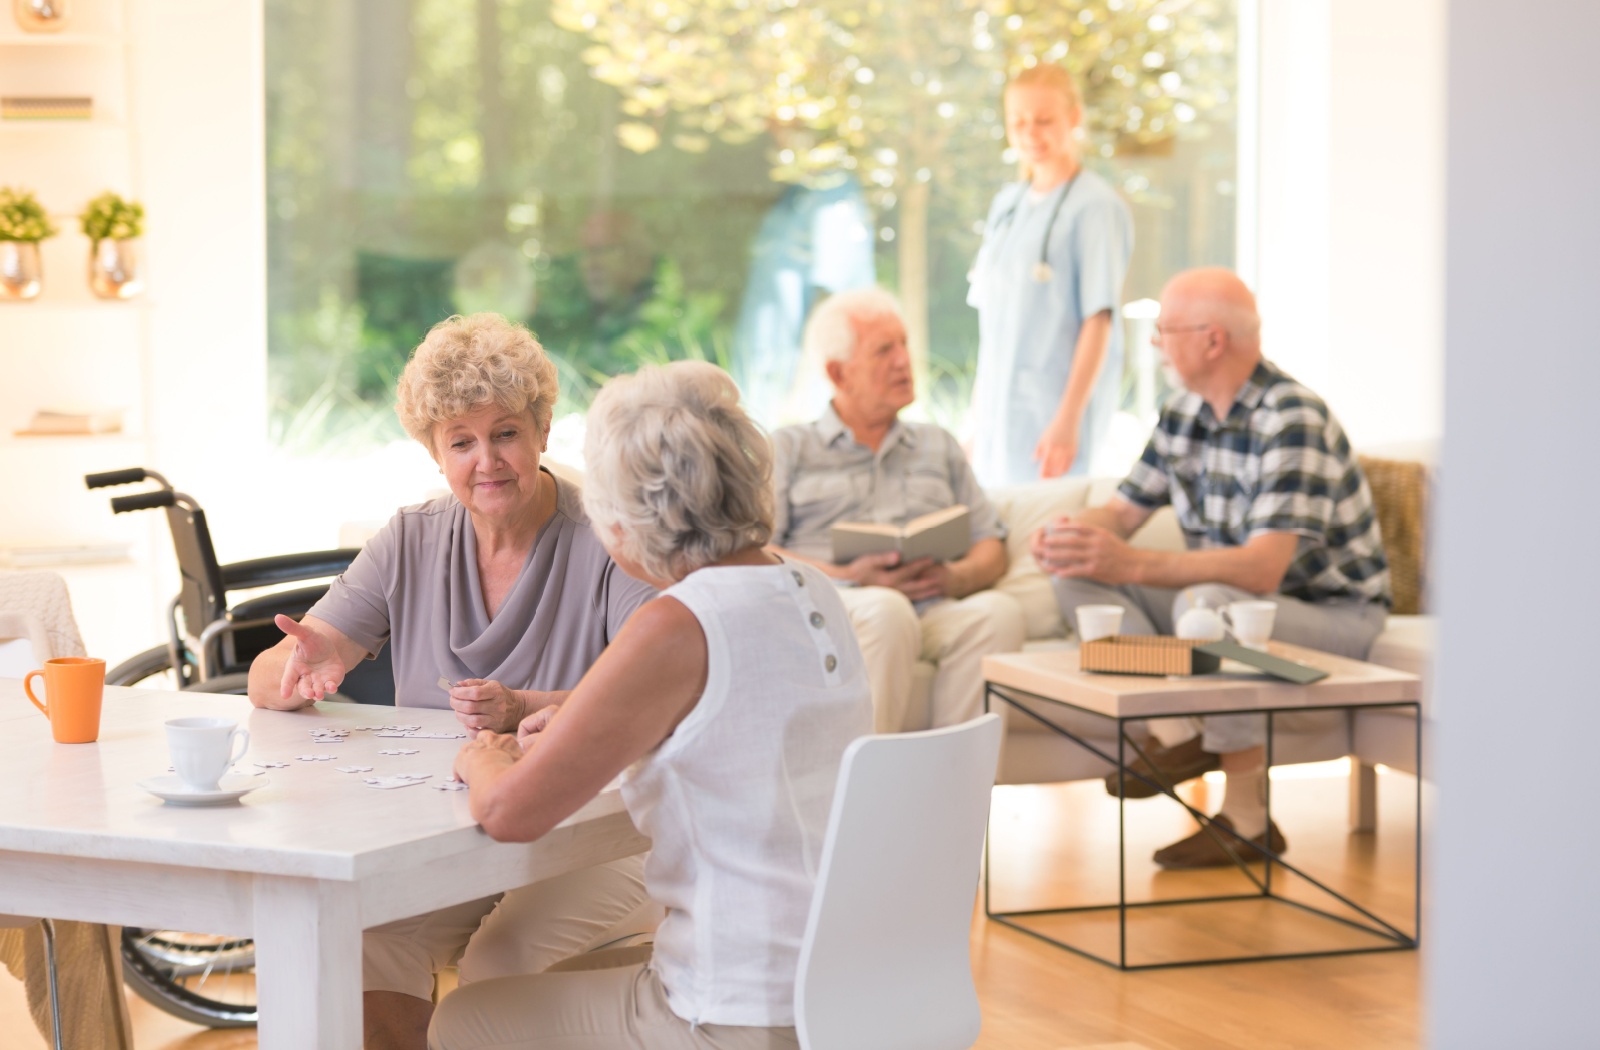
x,y
1038,685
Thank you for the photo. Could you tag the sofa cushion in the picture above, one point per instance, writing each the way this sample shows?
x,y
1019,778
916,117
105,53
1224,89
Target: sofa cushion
x,y
1025,508
1406,644
1399,498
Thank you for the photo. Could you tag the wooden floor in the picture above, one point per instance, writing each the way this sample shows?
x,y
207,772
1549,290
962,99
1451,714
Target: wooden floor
x,y
1055,845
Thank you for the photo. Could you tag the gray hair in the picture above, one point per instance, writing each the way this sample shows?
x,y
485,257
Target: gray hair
x,y
830,333
676,469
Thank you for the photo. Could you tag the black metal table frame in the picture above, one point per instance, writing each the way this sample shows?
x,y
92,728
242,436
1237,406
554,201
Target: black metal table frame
x,y
1223,836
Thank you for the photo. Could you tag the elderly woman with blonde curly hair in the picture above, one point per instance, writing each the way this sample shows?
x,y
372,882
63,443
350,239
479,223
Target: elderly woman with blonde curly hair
x,y
729,701
502,588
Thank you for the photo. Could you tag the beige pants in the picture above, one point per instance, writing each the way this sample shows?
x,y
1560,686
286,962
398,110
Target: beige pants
x,y
609,1000
954,635
521,932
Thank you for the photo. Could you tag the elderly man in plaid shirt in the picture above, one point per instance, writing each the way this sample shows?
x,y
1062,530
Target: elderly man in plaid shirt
x,y
1272,504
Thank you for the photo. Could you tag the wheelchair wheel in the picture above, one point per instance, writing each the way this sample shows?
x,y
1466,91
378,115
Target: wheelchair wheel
x,y
151,669
203,979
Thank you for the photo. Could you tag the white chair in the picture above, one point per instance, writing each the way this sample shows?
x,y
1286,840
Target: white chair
x,y
40,599
885,963
36,625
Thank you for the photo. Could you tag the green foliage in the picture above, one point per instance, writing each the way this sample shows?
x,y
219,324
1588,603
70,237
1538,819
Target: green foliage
x,y
514,123
22,217
316,399
108,216
663,321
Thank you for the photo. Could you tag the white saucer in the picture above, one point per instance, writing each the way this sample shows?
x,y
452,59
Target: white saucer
x,y
172,788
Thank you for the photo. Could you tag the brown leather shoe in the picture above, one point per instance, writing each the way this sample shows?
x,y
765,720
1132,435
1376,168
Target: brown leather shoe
x,y
1173,765
1202,850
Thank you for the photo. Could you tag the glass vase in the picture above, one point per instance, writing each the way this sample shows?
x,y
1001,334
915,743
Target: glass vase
x,y
21,275
115,271
42,16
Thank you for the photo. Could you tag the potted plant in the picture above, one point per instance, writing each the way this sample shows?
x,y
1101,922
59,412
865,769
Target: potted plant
x,y
23,224
113,226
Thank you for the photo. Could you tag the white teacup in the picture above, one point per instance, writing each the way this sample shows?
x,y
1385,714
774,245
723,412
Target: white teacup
x,y
203,748
1251,622
1098,621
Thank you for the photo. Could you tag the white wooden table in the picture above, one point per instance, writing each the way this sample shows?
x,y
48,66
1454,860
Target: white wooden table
x,y
303,864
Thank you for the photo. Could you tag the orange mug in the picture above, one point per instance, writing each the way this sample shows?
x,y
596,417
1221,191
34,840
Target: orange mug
x,y
73,686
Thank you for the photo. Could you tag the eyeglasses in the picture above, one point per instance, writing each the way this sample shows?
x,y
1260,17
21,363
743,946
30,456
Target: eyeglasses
x,y
1162,331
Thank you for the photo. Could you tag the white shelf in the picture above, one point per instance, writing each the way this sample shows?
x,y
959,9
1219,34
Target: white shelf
x,y
60,40
60,306
53,124
10,440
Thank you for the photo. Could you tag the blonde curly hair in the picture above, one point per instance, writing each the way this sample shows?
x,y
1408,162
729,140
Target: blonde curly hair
x,y
464,363
673,464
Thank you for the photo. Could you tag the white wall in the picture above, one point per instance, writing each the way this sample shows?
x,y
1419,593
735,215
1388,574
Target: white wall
x,y
1351,207
198,98
1514,943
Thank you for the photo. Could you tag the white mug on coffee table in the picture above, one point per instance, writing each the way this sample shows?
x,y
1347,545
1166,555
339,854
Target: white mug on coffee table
x,y
1251,622
1098,621
203,748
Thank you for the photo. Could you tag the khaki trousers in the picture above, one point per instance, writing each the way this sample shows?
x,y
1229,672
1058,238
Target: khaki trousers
x,y
609,1000
953,634
524,931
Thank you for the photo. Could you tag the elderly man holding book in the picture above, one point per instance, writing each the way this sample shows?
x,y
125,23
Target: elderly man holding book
x,y
862,478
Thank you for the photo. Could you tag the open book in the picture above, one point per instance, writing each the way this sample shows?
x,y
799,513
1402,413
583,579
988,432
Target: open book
x,y
944,535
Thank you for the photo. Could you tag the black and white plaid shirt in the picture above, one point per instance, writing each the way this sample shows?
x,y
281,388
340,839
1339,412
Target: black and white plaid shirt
x,y
1280,462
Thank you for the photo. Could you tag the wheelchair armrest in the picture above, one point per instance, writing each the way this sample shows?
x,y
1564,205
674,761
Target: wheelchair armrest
x,y
286,568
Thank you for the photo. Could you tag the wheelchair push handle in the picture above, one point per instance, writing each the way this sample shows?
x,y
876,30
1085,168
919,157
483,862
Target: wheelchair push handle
x,y
109,478
127,476
143,501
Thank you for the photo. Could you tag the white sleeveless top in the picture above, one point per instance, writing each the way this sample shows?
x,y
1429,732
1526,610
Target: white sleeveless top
x,y
736,800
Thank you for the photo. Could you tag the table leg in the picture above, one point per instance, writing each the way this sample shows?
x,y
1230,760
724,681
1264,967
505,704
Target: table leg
x,y
308,964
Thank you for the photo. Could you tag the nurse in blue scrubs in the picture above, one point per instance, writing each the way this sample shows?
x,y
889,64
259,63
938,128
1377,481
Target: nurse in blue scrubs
x,y
1047,285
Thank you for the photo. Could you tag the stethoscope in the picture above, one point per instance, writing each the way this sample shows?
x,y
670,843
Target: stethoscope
x,y
1042,270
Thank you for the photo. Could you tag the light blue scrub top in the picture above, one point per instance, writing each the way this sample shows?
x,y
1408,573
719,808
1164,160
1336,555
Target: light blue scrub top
x,y
813,241
1028,329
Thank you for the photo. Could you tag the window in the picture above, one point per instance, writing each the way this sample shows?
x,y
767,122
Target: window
x,y
642,180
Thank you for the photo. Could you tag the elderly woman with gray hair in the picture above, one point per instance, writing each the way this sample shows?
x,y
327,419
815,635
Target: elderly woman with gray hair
x,y
729,701
501,588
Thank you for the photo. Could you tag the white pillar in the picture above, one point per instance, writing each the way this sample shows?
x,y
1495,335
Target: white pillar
x,y
1513,930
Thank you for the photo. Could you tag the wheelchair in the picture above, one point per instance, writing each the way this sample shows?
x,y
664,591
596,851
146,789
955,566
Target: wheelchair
x,y
209,979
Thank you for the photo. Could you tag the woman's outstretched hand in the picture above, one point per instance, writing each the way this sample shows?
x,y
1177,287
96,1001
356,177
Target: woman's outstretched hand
x,y
313,669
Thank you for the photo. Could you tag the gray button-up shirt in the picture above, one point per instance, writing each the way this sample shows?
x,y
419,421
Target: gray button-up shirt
x,y
822,475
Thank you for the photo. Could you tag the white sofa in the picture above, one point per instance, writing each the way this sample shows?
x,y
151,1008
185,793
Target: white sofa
x,y
1034,754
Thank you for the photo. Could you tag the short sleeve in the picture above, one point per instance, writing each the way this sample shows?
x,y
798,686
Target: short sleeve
x,y
783,452
623,595
1147,484
1298,489
986,523
1003,201
1102,242
357,602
